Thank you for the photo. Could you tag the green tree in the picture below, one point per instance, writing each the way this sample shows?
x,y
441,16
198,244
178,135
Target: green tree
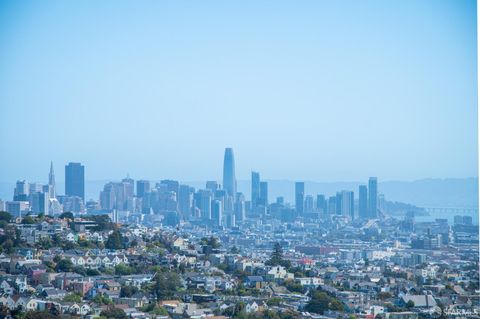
x,y
276,258
410,304
64,265
114,240
128,291
66,215
112,312
28,220
5,216
123,270
102,300
75,297
165,285
320,302
103,222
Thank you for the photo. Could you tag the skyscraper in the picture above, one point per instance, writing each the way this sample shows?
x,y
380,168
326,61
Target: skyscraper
x,y
229,181
372,197
263,194
51,182
348,204
203,199
362,201
129,186
143,187
321,204
185,198
217,212
213,186
255,188
299,197
240,207
21,191
39,202
338,204
75,180
309,204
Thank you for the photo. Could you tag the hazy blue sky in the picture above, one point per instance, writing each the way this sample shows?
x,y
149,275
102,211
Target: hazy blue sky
x,y
317,90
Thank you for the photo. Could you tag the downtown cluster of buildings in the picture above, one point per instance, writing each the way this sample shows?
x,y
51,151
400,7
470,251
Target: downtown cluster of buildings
x,y
43,199
169,201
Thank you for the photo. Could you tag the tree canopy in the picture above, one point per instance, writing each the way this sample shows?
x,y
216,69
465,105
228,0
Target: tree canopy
x,y
276,258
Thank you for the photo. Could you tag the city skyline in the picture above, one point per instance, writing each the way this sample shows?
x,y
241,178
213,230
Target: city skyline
x,y
220,204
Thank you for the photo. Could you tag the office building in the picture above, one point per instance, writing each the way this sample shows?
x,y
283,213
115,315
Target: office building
x,y
321,204
309,204
217,212
39,202
185,199
338,204
299,197
75,180
348,204
255,188
213,186
143,187
229,181
263,200
51,182
240,208
362,201
372,197
203,199
21,191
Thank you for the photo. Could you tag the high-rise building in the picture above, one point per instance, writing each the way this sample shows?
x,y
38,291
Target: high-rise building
x,y
203,199
21,191
217,212
372,197
172,186
309,204
35,188
255,188
263,200
185,198
39,202
51,182
332,205
129,185
299,197
143,187
321,204
338,204
75,180
229,181
213,186
348,204
362,201
240,208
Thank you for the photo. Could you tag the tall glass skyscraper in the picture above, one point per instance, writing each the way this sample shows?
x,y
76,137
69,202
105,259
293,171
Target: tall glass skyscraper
x,y
229,181
299,197
372,197
51,182
255,188
75,180
362,201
